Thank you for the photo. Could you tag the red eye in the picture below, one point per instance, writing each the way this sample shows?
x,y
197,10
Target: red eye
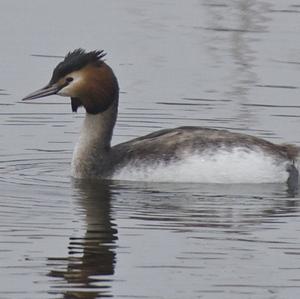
x,y
69,79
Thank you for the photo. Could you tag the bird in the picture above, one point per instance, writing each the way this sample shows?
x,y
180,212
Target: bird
x,y
86,78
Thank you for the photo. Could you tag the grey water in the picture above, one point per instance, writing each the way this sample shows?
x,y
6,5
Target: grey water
x,y
222,64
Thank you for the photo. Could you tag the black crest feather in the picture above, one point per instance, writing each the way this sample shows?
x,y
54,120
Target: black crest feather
x,y
76,60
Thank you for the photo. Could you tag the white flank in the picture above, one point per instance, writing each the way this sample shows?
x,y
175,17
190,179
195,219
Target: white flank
x,y
236,166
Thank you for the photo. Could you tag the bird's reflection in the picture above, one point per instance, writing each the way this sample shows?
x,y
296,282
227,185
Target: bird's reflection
x,y
191,207
91,257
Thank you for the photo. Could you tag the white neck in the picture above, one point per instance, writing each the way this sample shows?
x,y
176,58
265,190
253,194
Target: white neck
x,y
93,146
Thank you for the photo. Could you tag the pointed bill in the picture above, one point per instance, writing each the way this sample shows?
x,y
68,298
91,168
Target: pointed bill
x,y
43,92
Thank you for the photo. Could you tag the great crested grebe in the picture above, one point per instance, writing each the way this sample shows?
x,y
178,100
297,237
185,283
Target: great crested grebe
x,y
90,82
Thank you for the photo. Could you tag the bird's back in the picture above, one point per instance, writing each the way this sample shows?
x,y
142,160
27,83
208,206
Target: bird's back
x,y
171,144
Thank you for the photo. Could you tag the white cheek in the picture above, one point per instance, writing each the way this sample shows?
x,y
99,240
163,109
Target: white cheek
x,y
70,90
66,91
